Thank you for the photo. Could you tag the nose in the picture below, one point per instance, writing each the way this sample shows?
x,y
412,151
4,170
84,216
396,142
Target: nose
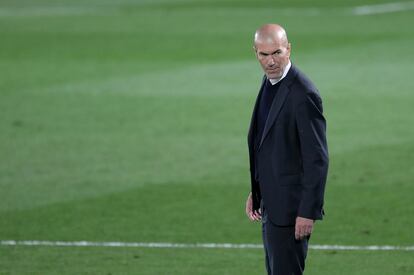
x,y
270,61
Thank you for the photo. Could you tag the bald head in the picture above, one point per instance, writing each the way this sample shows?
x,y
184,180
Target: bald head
x,y
272,49
271,33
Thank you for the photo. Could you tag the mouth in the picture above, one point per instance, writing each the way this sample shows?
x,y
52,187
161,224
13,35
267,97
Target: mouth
x,y
273,70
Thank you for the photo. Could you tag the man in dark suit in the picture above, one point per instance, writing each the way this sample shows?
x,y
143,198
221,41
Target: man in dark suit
x,y
288,155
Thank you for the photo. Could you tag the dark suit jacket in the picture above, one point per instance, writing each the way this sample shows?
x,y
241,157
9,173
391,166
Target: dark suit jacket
x,y
289,162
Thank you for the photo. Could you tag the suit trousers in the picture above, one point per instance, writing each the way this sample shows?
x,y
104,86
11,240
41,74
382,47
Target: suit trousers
x,y
284,254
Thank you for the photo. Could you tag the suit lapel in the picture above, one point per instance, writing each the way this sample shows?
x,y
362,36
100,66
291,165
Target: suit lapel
x,y
278,102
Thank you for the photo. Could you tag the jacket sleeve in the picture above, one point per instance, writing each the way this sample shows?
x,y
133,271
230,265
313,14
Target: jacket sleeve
x,y
311,127
255,188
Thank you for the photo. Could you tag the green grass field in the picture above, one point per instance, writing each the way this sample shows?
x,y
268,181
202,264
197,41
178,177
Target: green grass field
x,y
127,121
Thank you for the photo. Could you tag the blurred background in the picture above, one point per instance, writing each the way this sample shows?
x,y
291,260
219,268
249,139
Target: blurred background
x,y
127,121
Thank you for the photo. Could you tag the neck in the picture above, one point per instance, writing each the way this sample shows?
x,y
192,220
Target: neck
x,y
285,71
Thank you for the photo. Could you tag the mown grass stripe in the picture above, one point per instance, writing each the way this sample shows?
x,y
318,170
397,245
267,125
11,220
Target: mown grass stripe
x,y
383,8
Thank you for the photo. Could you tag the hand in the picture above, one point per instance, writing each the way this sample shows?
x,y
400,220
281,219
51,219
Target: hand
x,y
303,228
253,215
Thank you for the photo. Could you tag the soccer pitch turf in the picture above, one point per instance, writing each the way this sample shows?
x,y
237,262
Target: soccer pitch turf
x,y
126,121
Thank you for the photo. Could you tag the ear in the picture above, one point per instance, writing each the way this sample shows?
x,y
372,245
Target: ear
x,y
255,51
289,47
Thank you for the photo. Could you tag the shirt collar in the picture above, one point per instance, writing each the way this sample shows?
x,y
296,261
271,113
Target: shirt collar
x,y
287,68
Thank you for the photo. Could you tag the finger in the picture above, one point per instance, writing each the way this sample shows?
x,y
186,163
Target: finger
x,y
304,232
251,217
309,230
256,217
258,213
300,232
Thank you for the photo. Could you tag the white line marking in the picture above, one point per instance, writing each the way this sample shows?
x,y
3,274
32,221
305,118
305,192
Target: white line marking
x,y
195,245
355,247
383,8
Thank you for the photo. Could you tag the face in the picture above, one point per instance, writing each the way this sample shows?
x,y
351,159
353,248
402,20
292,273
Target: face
x,y
273,56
